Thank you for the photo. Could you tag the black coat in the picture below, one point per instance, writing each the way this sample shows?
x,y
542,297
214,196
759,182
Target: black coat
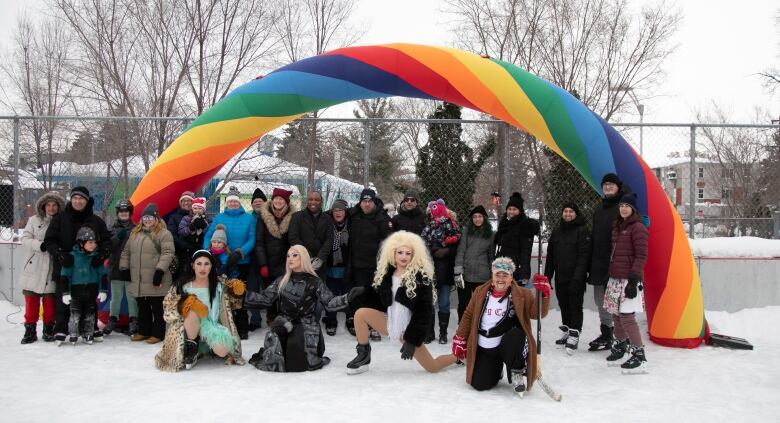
x,y
272,240
120,233
366,233
421,305
568,252
344,245
61,234
601,239
173,220
409,220
514,239
313,232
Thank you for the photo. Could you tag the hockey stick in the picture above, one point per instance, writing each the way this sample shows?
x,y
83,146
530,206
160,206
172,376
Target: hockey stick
x,y
545,387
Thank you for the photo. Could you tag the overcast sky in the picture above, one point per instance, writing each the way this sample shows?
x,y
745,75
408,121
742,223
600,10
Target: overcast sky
x,y
722,45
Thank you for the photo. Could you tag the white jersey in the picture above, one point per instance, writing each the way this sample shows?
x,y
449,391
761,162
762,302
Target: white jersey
x,y
494,312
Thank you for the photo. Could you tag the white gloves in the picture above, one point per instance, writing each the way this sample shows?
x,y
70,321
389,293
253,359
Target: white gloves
x,y
459,282
102,297
66,299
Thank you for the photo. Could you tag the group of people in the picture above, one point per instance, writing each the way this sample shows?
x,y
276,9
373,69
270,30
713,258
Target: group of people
x,y
198,284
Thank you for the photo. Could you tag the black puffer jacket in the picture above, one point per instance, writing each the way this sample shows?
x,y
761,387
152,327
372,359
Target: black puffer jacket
x,y
61,234
120,232
366,232
172,221
601,238
313,232
409,220
421,304
514,239
272,240
568,252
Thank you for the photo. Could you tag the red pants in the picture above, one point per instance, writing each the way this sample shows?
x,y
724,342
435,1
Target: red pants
x,y
32,304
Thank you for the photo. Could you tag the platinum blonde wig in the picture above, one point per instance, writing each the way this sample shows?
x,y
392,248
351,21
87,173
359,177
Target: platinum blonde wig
x,y
421,260
306,266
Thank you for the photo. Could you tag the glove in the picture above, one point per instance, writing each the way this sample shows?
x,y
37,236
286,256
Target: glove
x,y
66,260
98,260
264,272
236,286
124,274
452,239
407,350
158,277
459,347
234,258
190,302
316,263
441,252
459,282
121,234
43,247
354,293
198,223
66,299
281,325
542,284
102,297
634,284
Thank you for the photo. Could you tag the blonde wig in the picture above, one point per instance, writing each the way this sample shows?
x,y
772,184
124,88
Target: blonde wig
x,y
421,260
306,266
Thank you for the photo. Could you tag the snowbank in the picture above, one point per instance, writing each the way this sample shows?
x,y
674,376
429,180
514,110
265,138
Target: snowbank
x,y
744,246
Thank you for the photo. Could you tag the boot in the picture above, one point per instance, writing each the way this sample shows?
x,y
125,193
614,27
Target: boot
x,y
30,334
444,321
350,324
48,332
97,335
60,338
562,340
619,349
132,326
603,341
73,339
637,364
518,382
431,334
191,352
360,363
330,328
572,341
110,325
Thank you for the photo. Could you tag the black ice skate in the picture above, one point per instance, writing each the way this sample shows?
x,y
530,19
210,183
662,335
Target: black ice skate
x,y
618,351
562,340
48,333
73,339
572,341
518,382
637,364
603,341
60,338
97,336
191,352
360,363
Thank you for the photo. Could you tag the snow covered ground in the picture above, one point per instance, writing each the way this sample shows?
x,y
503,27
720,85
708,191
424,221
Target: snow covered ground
x,y
116,381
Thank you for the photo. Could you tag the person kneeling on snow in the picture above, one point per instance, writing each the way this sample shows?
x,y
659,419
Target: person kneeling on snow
x,y
295,342
198,310
495,330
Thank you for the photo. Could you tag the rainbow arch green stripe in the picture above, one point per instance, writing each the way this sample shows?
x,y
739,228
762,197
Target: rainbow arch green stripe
x,y
673,291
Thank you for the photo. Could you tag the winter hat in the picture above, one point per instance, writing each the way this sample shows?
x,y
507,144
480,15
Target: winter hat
x,y
367,194
124,205
503,264
412,193
199,202
220,234
571,205
85,233
479,209
339,204
80,191
233,194
516,200
186,195
259,194
611,177
629,199
279,192
150,210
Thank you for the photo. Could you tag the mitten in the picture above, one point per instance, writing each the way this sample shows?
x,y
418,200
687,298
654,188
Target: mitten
x,y
316,263
198,223
634,284
102,297
190,302
407,350
43,247
459,282
158,277
234,258
66,259
66,299
542,284
264,272
452,239
236,286
354,293
459,347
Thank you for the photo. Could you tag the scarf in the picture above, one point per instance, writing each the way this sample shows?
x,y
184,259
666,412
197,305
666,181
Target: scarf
x,y
340,239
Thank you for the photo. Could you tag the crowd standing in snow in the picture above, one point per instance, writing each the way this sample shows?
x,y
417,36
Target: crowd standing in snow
x,y
198,285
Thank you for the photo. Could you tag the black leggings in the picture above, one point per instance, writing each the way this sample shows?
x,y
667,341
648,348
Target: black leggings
x,y
464,296
512,352
240,316
570,296
150,317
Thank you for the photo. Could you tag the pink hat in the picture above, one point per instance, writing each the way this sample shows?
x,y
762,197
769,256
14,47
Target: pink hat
x,y
199,202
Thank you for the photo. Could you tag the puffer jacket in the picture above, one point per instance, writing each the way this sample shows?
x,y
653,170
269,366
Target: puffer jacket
x,y
568,252
514,239
366,233
409,220
82,272
475,253
37,273
629,249
143,255
240,227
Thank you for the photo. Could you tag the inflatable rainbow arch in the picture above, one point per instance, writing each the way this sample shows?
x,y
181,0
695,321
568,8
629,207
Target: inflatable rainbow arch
x,y
672,288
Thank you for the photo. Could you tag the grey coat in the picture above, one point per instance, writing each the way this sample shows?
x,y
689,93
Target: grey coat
x,y
142,256
37,270
475,253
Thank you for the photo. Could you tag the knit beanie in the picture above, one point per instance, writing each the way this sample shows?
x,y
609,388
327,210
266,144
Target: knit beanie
x,y
629,199
571,205
279,192
186,195
611,177
150,210
339,204
516,200
219,234
80,191
479,210
233,194
367,194
412,193
259,194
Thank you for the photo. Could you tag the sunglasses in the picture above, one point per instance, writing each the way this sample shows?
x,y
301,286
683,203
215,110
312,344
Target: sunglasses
x,y
292,255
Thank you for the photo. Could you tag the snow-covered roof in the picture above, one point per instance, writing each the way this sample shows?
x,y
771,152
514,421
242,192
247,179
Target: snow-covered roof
x,y
674,161
27,180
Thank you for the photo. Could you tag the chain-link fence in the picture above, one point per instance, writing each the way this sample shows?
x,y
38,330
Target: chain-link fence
x,y
723,179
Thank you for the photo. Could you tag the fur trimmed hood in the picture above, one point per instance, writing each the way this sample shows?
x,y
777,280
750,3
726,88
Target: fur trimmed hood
x,y
277,230
45,198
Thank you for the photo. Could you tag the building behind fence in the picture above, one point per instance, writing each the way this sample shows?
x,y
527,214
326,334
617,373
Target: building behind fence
x,y
724,180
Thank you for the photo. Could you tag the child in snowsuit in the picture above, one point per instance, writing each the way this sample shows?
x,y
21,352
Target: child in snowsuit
x,y
221,252
192,228
80,285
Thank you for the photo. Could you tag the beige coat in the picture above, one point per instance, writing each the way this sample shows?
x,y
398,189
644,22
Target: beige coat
x,y
142,256
37,270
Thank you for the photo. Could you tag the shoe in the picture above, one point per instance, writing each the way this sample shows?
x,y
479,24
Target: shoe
x,y
97,335
562,339
637,364
88,339
617,352
330,329
73,339
518,382
138,337
153,340
109,327
572,341
350,324
360,363
444,321
603,341
132,327
374,335
60,338
256,357
191,352
30,334
243,335
48,333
